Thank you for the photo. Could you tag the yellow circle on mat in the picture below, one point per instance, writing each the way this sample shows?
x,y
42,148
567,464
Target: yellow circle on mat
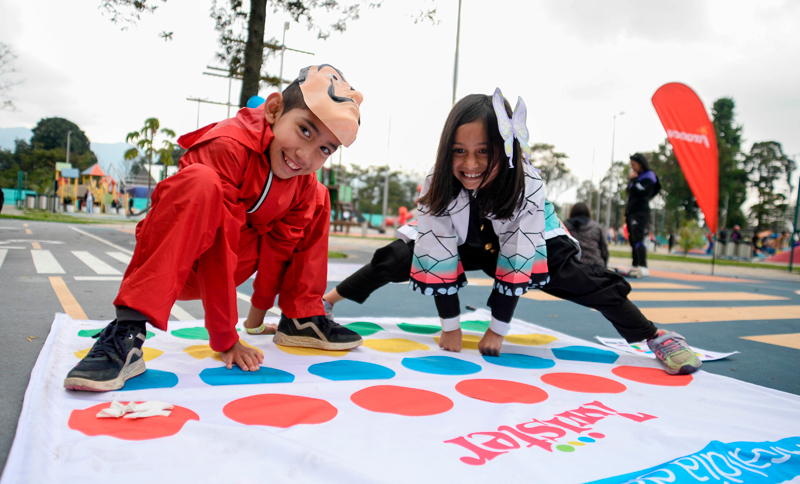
x,y
204,351
395,345
295,350
149,353
577,444
468,341
530,339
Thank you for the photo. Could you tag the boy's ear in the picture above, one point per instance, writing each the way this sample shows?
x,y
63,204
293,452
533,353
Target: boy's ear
x,y
273,107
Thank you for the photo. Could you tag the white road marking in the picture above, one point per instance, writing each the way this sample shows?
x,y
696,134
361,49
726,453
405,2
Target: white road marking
x,y
98,278
102,240
95,264
124,258
3,253
45,262
180,314
245,297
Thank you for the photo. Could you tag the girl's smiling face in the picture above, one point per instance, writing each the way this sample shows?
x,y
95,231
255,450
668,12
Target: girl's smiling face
x,y
471,156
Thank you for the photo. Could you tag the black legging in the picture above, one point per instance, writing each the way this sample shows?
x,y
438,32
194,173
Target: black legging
x,y
637,231
589,285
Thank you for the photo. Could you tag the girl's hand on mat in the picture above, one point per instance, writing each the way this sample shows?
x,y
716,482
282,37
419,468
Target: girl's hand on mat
x,y
450,340
248,359
490,343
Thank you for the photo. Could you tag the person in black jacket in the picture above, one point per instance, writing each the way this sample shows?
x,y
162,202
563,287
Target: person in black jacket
x,y
2,199
643,186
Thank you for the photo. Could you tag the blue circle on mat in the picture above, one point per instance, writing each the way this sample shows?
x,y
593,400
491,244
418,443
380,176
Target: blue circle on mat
x,y
588,440
236,376
441,365
516,360
585,353
151,379
344,370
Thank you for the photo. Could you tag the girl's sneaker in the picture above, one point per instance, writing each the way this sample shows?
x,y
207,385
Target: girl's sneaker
x,y
671,349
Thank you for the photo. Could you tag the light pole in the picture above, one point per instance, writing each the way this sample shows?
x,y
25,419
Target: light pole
x,y
611,169
455,66
283,52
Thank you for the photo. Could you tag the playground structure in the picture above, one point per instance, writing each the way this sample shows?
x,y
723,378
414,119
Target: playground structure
x,y
73,185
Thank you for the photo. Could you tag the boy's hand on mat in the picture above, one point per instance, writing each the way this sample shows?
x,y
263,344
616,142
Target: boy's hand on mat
x,y
490,343
248,359
450,340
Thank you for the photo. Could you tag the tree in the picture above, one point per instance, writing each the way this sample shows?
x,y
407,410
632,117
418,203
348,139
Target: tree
x,y
555,173
7,57
241,34
612,189
765,165
690,236
732,176
51,133
369,182
588,193
146,147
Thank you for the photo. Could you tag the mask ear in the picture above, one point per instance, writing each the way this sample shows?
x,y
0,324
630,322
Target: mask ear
x,y
273,107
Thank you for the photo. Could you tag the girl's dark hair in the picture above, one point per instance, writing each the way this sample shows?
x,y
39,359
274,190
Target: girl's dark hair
x,y
503,195
642,160
580,209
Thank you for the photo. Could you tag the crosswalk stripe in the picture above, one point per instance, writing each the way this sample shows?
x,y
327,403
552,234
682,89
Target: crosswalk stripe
x,y
67,300
707,315
121,249
95,264
244,297
45,263
3,253
124,258
98,278
787,340
180,314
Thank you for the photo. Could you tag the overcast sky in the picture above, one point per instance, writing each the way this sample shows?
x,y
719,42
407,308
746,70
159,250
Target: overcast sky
x,y
575,63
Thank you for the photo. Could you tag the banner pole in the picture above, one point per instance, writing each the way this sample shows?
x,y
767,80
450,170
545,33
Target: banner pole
x,y
713,253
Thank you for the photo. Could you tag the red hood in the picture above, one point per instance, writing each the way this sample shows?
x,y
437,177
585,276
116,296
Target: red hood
x,y
249,128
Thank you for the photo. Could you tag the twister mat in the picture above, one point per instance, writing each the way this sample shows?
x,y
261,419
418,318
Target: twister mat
x,y
552,408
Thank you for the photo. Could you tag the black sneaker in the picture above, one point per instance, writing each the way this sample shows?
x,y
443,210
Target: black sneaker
x,y
116,356
316,332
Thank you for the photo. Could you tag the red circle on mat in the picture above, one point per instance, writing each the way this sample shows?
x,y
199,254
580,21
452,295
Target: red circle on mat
x,y
652,376
501,391
276,410
411,402
86,421
579,382
597,435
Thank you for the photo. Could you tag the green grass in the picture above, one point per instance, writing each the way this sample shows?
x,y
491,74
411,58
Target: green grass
x,y
336,255
45,216
707,261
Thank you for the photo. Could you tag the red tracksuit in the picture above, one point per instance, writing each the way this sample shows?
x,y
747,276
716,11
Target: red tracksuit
x,y
221,217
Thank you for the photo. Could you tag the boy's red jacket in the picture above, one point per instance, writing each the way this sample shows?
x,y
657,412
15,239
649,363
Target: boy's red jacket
x,y
278,209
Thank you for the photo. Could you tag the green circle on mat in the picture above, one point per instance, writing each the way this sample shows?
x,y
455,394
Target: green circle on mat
x,y
198,332
419,328
363,328
89,333
565,448
475,325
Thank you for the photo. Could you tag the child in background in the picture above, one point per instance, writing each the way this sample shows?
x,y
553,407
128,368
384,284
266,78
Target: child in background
x,y
246,197
484,209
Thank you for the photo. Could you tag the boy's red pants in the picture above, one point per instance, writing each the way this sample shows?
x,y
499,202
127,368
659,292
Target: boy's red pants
x,y
194,244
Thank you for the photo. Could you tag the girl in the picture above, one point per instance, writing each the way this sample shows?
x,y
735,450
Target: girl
x,y
483,210
642,187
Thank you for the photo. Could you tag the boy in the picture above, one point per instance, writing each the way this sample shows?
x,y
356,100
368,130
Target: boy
x,y
246,197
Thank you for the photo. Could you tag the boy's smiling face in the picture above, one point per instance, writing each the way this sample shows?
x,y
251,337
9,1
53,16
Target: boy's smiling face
x,y
302,142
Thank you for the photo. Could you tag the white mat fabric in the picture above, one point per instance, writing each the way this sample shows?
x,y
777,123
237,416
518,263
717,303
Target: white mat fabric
x,y
576,414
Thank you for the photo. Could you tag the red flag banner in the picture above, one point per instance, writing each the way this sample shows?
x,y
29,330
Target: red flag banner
x,y
694,142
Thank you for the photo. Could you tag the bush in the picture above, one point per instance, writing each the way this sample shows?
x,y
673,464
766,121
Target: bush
x,y
690,236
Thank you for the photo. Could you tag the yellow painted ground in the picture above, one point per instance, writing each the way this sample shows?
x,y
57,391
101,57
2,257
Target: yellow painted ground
x,y
675,296
787,340
706,315
662,285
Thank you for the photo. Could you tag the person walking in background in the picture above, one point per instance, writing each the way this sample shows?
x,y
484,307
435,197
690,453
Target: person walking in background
x,y
2,199
89,202
671,240
643,186
589,233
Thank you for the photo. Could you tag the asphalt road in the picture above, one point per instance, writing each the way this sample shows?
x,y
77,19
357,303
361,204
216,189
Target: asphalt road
x,y
29,302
